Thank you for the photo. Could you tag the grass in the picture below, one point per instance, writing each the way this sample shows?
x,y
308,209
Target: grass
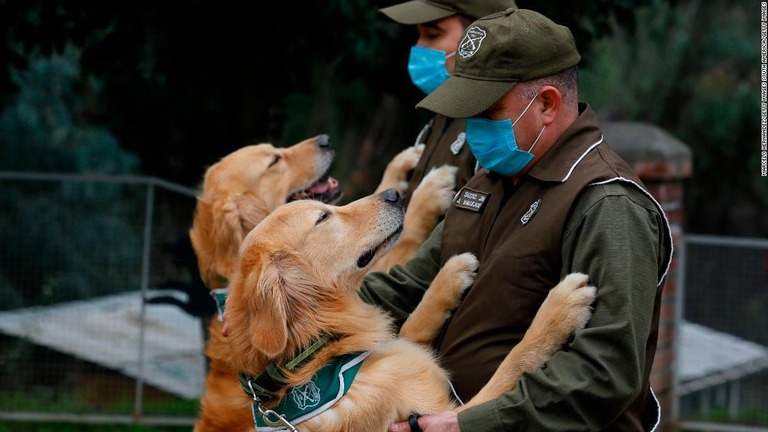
x,y
750,416
7,426
167,407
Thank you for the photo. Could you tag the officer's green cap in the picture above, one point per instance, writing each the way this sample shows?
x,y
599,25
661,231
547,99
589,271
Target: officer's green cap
x,y
495,53
423,11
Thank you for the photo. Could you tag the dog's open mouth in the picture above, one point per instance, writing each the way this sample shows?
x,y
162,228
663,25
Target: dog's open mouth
x,y
326,190
367,257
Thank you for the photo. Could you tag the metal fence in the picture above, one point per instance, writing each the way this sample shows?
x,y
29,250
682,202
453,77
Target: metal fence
x,y
102,311
80,340
722,373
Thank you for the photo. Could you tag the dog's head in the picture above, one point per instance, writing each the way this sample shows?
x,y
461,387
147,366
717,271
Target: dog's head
x,y
243,187
300,271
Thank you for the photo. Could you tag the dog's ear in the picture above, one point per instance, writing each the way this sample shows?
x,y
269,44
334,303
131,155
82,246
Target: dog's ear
x,y
270,300
251,210
269,322
233,217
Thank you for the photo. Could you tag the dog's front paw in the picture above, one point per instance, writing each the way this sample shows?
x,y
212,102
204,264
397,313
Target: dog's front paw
x,y
396,173
407,159
436,190
456,276
566,309
442,297
573,297
463,267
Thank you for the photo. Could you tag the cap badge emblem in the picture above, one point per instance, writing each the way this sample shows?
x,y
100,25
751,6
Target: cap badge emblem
x,y
471,42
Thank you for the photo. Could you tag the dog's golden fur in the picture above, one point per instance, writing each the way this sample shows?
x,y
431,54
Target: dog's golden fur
x,y
244,187
240,190
298,278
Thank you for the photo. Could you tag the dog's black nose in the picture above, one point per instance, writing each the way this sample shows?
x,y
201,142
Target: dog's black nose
x,y
392,196
324,141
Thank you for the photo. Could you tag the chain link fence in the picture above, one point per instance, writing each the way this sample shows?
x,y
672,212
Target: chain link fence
x,y
722,372
102,317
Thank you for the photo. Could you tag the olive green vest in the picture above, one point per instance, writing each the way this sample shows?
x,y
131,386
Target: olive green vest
x,y
518,242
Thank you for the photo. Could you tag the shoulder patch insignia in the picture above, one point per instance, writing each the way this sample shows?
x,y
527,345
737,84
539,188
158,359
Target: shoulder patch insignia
x,y
469,199
531,212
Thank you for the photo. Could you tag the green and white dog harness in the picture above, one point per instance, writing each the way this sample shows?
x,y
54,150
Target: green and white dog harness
x,y
315,396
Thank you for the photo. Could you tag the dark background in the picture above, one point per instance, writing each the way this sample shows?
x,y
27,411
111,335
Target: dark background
x,y
166,88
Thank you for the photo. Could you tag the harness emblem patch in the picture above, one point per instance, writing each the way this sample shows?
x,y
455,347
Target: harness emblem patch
x,y
312,398
531,212
307,395
469,199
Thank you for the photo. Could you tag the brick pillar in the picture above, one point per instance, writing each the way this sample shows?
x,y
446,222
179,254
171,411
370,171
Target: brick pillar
x,y
663,163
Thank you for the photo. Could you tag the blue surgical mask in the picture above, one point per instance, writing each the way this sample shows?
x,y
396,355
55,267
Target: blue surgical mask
x,y
494,146
427,68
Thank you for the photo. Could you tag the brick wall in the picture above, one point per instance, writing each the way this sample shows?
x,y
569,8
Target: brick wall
x,y
663,163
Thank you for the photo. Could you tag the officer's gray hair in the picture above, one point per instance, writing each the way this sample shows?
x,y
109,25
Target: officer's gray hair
x,y
565,81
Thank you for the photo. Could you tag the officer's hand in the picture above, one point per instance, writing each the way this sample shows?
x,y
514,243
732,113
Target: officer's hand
x,y
446,421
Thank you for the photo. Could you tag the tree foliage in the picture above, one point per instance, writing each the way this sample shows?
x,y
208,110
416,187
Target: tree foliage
x,y
184,83
691,69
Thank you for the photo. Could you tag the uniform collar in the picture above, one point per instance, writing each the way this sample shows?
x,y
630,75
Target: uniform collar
x,y
577,141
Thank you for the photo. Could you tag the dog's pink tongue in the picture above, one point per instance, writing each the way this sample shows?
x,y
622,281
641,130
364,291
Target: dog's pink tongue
x,y
319,188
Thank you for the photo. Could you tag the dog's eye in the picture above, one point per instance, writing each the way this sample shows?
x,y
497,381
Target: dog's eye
x,y
275,160
323,216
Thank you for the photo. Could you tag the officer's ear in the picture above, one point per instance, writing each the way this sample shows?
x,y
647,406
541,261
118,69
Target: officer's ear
x,y
551,104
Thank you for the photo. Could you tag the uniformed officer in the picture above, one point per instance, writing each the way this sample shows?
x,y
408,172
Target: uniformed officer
x,y
552,198
440,24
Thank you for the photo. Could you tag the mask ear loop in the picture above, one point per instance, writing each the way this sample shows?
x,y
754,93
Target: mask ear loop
x,y
521,116
525,110
447,56
537,138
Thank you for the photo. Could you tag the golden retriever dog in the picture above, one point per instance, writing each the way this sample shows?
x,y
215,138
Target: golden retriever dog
x,y
294,310
245,186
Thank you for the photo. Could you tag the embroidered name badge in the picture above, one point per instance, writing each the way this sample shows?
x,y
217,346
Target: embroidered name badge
x,y
456,146
531,212
470,199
